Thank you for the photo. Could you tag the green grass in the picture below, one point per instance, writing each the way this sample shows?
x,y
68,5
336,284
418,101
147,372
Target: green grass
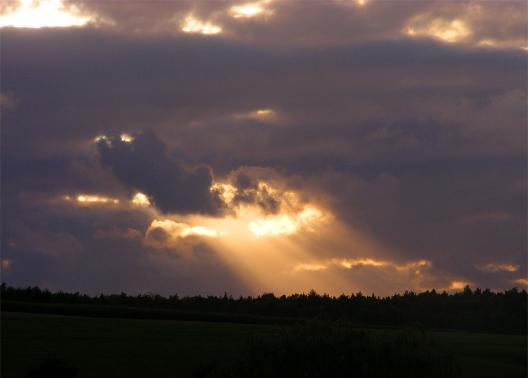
x,y
119,311
104,347
100,347
485,355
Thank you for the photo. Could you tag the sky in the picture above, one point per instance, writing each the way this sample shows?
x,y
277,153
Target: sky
x,y
197,147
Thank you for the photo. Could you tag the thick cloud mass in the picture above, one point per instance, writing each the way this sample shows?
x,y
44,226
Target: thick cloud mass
x,y
414,144
143,165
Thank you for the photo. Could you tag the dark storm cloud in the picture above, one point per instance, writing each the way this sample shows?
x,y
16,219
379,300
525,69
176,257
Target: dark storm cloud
x,y
142,164
418,144
93,250
172,82
111,266
287,23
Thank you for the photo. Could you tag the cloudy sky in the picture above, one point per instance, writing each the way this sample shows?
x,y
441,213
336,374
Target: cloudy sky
x,y
270,146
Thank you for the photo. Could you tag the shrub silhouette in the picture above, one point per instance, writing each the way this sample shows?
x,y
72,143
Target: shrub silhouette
x,y
324,349
52,368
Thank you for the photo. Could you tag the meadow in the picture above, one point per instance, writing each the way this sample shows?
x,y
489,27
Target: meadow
x,y
117,347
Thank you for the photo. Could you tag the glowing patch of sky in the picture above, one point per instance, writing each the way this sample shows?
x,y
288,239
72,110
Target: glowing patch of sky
x,y
89,199
250,10
346,263
495,267
458,285
194,25
449,31
140,199
127,138
43,13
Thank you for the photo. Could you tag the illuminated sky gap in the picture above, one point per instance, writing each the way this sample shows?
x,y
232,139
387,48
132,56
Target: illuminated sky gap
x,y
195,26
43,13
250,10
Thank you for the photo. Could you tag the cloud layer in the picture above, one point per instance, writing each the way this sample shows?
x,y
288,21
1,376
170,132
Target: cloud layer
x,y
342,131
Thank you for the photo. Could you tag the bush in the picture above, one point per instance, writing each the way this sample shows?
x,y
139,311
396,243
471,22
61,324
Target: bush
x,y
323,349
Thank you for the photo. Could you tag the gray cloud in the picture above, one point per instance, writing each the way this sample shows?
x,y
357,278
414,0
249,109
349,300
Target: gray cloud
x,y
142,164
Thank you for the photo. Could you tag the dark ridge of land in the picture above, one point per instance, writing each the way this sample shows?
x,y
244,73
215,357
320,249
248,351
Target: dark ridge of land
x,y
470,310
127,312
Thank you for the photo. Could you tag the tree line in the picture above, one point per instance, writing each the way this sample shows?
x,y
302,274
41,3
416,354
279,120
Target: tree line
x,y
472,310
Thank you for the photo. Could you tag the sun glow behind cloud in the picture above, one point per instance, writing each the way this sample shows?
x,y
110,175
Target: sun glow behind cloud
x,y
458,285
43,13
262,113
173,231
268,252
195,26
265,115
497,267
278,225
347,263
5,264
270,235
292,216
140,199
255,244
227,192
91,199
285,224
85,199
449,31
250,10
127,138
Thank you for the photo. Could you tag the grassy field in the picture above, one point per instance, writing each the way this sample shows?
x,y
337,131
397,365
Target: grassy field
x,y
100,347
484,355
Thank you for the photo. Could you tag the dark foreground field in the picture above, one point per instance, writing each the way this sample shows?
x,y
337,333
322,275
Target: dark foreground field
x,y
99,347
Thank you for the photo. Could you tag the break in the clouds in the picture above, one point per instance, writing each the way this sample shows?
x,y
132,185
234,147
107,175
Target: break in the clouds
x,y
204,147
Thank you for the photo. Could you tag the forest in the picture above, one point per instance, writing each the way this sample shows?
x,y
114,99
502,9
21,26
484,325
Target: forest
x,y
476,310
